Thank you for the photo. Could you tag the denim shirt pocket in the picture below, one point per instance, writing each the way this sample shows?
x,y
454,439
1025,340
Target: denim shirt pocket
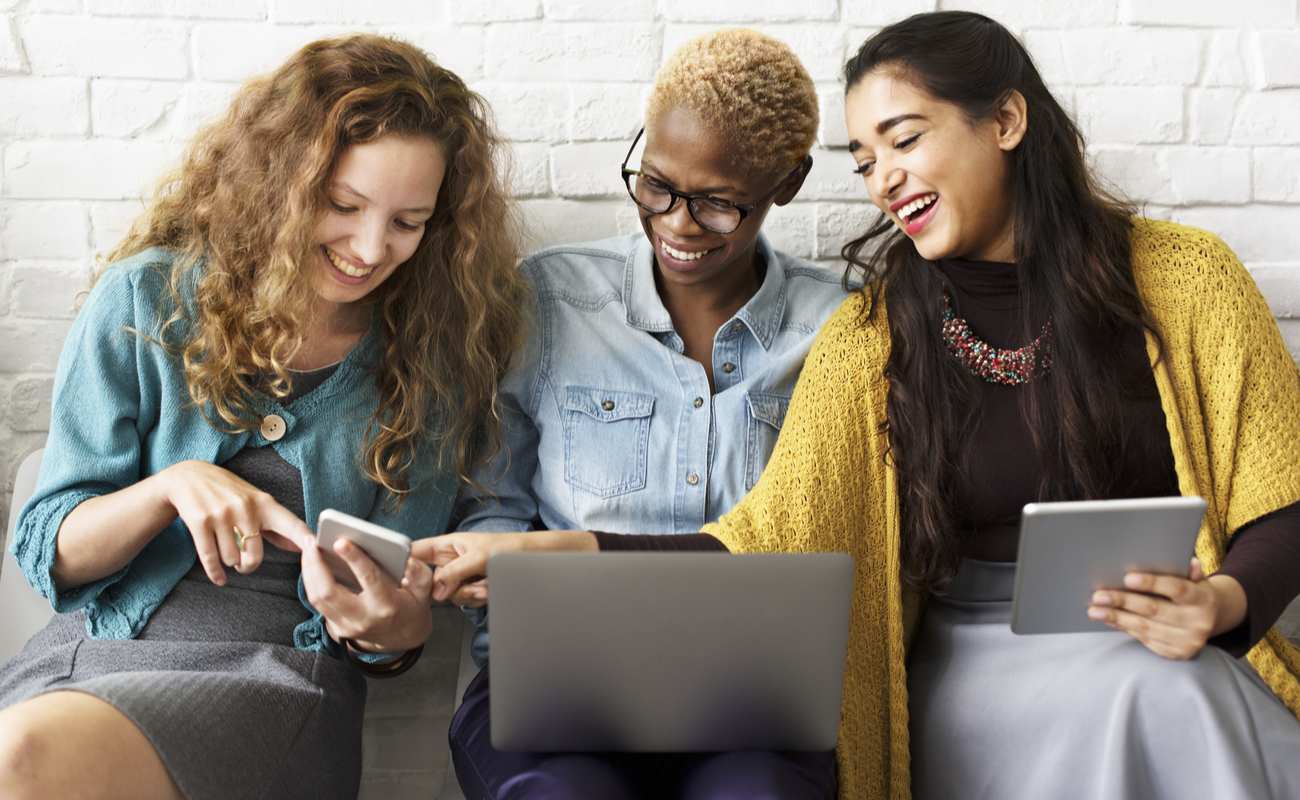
x,y
765,413
606,433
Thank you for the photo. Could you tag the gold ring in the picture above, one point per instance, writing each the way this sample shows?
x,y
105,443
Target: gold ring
x,y
241,537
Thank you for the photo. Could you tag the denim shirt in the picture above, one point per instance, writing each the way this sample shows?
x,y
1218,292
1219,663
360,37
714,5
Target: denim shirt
x,y
122,411
610,426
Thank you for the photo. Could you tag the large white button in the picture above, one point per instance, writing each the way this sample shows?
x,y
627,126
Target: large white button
x,y
693,478
272,427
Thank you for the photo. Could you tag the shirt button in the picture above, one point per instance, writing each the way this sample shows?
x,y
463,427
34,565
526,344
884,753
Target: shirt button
x,y
608,405
699,401
272,427
693,478
728,367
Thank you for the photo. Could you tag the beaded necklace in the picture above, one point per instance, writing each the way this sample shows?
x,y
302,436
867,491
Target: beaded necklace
x,y
1010,367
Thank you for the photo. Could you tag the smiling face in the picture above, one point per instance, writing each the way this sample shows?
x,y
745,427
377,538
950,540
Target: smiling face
x,y
380,196
942,179
687,155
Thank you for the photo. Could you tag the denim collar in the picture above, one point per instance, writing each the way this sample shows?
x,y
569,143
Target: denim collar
x,y
761,316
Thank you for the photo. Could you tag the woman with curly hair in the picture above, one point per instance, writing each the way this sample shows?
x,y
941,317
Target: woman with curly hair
x,y
313,312
653,390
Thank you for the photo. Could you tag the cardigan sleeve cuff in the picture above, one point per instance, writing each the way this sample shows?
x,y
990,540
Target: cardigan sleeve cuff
x,y
35,547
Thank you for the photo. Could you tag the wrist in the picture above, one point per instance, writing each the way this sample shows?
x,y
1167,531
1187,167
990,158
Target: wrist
x,y
573,541
1230,603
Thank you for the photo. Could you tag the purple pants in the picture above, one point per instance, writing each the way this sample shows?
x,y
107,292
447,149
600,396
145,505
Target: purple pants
x,y
488,774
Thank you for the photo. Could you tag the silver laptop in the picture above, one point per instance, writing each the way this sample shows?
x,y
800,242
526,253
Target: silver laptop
x,y
667,652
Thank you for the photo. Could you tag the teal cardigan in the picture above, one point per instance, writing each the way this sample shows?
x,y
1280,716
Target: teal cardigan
x,y
121,411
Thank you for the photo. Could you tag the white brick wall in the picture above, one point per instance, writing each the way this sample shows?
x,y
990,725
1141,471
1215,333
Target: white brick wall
x,y
1191,105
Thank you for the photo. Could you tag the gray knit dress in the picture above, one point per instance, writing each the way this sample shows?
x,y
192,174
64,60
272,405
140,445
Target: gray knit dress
x,y
213,680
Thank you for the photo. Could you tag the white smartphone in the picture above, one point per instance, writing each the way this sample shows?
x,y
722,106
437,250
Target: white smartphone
x,y
387,548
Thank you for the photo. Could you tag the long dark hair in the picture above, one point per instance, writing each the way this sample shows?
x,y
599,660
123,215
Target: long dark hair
x,y
1072,242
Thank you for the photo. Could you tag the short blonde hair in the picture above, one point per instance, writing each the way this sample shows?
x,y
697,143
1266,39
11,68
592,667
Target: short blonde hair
x,y
748,87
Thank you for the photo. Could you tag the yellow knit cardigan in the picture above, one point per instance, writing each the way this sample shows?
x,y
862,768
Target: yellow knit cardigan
x,y
1231,396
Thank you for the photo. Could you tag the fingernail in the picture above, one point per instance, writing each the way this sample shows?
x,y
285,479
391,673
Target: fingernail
x,y
1133,580
1096,613
1101,599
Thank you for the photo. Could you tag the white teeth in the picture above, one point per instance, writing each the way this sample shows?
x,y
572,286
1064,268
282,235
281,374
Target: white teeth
x,y
345,267
682,255
917,204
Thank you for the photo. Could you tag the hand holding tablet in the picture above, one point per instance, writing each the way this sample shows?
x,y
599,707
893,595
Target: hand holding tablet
x,y
1070,550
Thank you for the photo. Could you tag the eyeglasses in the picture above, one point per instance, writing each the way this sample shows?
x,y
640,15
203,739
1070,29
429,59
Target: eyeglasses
x,y
713,214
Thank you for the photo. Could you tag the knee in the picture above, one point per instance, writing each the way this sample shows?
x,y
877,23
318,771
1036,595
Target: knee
x,y
28,757
567,778
755,775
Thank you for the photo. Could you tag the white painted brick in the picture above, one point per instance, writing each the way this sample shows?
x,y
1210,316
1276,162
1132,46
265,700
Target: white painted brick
x,y
821,48
1211,112
627,218
109,222
1047,49
792,228
1018,14
12,61
29,404
200,104
495,10
1130,115
606,111
1268,118
458,49
618,51
47,289
115,48
832,178
1279,54
235,52
346,12
528,112
127,109
1280,285
1290,329
588,170
883,12
1139,174
749,11
1225,60
36,107
1210,13
1277,174
31,345
1120,57
840,223
1254,232
599,10
43,230
1214,175
97,169
51,6
201,9
831,131
551,222
530,170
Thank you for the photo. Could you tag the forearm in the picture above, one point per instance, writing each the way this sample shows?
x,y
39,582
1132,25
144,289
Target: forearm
x,y
102,535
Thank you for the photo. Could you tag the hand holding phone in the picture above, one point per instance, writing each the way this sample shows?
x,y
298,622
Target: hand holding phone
x,y
387,548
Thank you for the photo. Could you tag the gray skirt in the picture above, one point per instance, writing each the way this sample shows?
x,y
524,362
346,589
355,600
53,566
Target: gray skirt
x,y
215,684
1083,715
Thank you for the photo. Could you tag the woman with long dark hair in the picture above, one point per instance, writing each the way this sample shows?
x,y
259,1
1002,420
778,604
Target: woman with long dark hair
x,y
1023,336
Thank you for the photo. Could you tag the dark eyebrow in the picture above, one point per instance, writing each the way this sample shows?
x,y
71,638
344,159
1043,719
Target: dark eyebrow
x,y
892,121
419,210
883,126
707,190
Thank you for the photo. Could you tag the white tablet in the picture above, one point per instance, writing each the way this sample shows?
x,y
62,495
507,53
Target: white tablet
x,y
1069,550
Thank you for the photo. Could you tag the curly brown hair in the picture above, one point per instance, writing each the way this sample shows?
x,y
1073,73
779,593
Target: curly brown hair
x,y
241,213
